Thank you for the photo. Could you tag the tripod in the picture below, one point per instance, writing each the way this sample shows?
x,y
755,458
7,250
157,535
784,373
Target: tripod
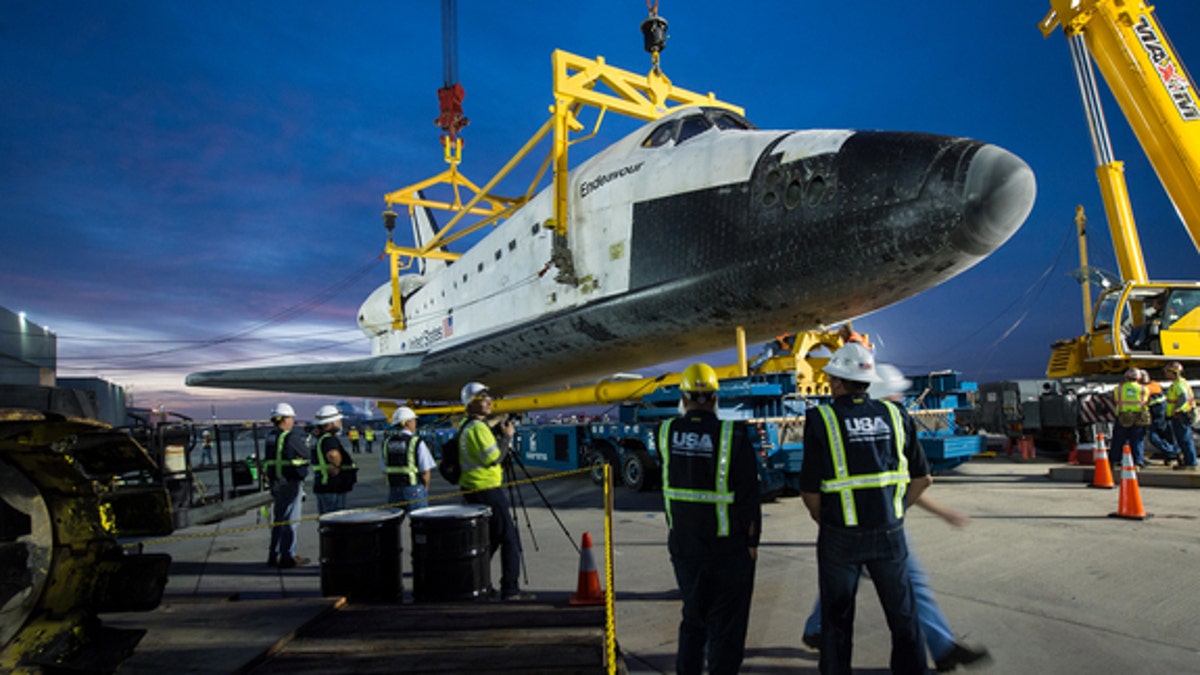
x,y
512,461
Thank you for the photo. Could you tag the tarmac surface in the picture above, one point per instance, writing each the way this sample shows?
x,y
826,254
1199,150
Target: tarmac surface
x,y
1042,577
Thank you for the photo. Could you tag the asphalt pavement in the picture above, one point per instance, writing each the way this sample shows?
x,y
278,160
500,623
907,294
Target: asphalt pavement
x,y
1042,576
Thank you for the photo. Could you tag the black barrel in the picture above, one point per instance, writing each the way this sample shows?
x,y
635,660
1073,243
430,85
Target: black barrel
x,y
360,555
450,555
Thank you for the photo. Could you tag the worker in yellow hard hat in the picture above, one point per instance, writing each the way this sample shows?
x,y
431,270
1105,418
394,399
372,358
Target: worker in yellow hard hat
x,y
713,505
1181,412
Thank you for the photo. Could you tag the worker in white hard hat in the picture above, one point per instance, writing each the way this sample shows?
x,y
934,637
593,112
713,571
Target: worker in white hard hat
x,y
482,457
285,467
334,472
947,651
862,469
407,462
206,448
713,504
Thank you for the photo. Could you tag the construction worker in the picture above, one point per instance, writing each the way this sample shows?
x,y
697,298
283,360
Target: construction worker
x,y
862,469
407,462
1181,404
353,436
333,468
482,456
369,438
947,652
285,468
780,346
1133,416
206,449
1159,431
713,506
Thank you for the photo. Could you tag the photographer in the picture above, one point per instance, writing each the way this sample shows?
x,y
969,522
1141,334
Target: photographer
x,y
482,459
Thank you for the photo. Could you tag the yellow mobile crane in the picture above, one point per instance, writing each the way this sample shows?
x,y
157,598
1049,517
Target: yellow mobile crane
x,y
1139,322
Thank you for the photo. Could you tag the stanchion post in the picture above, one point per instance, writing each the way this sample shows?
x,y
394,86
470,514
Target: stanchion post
x,y
610,620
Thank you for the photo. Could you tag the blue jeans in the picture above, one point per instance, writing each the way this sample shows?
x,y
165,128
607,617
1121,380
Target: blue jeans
x,y
716,585
1134,436
503,535
413,496
1181,428
842,553
328,502
288,498
939,639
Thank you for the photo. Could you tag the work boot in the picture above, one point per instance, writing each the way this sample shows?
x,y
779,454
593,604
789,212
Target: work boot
x,y
519,596
1185,467
962,655
288,563
812,640
272,561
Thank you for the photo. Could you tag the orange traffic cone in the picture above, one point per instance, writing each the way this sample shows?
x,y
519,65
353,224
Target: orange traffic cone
x,y
1129,503
1102,476
588,589
1028,450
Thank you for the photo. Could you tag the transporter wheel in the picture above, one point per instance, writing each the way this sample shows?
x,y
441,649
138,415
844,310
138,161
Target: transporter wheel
x,y
26,543
595,459
635,471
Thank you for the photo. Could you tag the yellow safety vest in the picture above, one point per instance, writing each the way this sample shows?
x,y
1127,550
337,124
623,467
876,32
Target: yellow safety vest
x,y
275,466
1129,398
1179,397
322,467
409,468
480,457
720,496
843,484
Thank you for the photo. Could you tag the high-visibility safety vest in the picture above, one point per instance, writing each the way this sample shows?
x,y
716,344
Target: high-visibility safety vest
x,y
1179,397
353,434
369,434
409,467
843,484
275,466
321,467
1130,397
720,496
479,456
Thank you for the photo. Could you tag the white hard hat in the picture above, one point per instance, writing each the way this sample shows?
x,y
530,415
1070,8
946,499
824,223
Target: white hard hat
x,y
853,362
326,414
471,391
403,414
282,410
891,382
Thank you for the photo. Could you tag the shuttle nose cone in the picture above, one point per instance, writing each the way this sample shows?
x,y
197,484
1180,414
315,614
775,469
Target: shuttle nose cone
x,y
998,192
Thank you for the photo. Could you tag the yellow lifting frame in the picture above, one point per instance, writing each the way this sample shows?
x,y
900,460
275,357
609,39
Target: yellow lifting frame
x,y
646,97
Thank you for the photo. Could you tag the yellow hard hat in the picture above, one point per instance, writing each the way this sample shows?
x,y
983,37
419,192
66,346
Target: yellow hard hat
x,y
699,378
1173,367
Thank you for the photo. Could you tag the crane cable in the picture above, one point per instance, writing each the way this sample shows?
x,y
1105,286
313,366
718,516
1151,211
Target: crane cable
x,y
450,96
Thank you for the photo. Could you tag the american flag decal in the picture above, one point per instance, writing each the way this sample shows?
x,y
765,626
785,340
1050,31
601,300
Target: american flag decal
x,y
447,326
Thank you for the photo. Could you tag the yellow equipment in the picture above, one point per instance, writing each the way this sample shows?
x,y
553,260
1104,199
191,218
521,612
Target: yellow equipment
x,y
69,487
578,81
1139,323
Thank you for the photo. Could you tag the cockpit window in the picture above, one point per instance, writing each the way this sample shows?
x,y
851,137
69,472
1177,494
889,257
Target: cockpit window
x,y
691,126
662,134
679,130
727,120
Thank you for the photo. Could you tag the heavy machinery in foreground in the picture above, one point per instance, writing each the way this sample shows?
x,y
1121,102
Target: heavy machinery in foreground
x,y
69,487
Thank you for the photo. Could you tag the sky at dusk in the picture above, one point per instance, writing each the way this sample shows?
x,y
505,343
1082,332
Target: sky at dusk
x,y
189,186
